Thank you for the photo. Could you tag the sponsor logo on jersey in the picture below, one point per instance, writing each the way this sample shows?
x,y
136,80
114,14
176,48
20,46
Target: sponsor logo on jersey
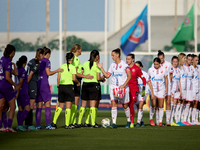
x,y
153,79
196,78
120,66
117,75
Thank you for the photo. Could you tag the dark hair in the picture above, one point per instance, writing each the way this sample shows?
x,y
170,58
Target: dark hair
x,y
193,56
21,61
160,53
69,56
157,60
174,57
188,55
132,56
140,63
37,55
93,55
46,50
117,51
75,48
8,50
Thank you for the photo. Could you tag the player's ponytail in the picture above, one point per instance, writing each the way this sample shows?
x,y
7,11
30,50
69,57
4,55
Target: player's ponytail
x,y
21,61
8,50
69,56
160,53
140,63
37,56
93,55
180,56
117,51
75,48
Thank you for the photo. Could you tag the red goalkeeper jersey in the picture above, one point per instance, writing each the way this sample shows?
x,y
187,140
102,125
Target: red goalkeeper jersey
x,y
136,72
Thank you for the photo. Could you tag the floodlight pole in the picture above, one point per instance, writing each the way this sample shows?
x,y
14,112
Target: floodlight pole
x,y
105,44
8,21
149,28
60,32
195,26
47,21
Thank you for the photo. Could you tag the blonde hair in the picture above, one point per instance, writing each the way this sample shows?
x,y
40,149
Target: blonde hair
x,y
75,48
180,56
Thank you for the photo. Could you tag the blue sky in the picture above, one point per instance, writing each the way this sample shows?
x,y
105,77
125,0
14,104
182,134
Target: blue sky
x,y
29,15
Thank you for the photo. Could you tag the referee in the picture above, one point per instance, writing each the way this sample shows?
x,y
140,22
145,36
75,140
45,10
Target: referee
x,y
65,82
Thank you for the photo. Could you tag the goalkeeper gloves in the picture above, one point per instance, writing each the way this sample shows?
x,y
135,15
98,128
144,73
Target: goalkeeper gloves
x,y
143,91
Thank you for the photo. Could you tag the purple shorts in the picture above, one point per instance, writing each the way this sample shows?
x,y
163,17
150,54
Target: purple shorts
x,y
23,100
44,94
7,93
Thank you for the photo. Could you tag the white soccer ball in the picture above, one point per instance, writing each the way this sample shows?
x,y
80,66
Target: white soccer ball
x,y
105,122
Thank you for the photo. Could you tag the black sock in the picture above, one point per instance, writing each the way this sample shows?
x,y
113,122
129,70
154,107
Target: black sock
x,y
29,118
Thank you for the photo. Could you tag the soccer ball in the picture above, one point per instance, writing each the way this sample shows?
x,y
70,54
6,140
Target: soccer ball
x,y
105,122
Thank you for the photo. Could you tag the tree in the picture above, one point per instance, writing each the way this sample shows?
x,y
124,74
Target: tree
x,y
71,40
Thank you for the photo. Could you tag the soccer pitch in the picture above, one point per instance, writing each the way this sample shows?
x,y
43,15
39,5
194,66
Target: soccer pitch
x,y
91,139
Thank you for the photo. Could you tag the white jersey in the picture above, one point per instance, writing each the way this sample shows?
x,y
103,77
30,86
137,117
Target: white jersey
x,y
175,80
157,78
169,69
198,66
183,77
190,72
118,73
195,79
140,83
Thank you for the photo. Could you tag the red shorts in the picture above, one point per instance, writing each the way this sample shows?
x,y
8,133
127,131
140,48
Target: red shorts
x,y
133,94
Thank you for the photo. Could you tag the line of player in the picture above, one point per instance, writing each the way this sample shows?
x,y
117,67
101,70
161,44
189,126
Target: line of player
x,y
177,83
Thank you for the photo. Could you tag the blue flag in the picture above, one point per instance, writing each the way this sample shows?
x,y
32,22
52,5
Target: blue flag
x,y
136,35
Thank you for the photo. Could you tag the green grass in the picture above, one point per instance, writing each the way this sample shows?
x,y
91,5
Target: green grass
x,y
113,139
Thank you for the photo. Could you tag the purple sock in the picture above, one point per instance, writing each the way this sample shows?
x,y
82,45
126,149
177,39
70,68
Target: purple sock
x,y
38,116
48,115
23,116
0,123
10,123
4,119
18,116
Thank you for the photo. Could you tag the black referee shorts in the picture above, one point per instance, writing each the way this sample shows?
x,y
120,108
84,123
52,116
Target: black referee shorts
x,y
90,91
66,93
77,89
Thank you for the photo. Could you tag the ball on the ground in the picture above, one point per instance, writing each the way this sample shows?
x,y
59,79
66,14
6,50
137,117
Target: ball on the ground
x,y
105,123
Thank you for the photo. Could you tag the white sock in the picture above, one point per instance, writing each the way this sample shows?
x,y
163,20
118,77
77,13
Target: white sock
x,y
189,115
161,112
186,112
182,113
151,112
140,114
173,113
157,117
114,114
177,113
167,115
177,117
197,113
172,104
194,112
127,112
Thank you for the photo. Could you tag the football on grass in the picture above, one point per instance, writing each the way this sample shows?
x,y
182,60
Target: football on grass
x,y
105,123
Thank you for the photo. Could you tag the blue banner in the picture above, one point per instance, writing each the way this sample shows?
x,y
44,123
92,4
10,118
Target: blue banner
x,y
136,35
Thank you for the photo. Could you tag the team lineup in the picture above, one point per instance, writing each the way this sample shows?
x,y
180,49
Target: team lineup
x,y
177,83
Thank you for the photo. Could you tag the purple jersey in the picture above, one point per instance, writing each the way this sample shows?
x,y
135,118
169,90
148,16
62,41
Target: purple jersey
x,y
23,75
5,65
43,78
